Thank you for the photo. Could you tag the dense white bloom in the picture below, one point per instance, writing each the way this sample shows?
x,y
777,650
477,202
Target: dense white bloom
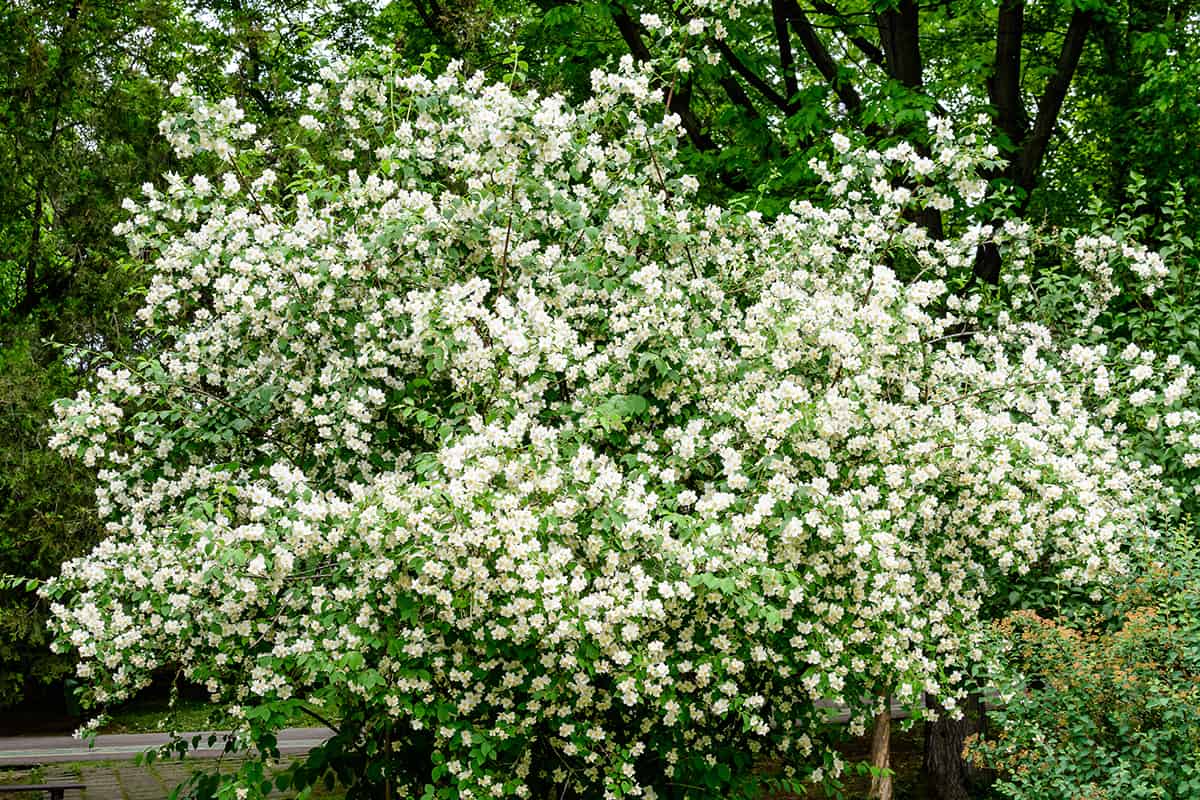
x,y
495,432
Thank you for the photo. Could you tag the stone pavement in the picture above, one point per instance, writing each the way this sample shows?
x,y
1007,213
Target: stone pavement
x,y
123,780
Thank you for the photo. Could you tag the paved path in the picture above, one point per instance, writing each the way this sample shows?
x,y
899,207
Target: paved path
x,y
24,750
120,781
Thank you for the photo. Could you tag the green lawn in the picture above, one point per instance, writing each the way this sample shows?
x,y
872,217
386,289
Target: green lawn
x,y
157,715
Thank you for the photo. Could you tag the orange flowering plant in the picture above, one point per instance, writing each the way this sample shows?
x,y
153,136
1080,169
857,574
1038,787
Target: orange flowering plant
x,y
1107,704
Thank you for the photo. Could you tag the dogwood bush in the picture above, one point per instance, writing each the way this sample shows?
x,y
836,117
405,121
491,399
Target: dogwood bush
x,y
479,430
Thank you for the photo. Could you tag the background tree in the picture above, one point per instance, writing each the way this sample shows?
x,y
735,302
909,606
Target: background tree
x,y
78,133
1071,89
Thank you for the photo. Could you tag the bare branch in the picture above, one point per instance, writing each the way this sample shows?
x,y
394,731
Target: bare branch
x,y
756,83
737,95
821,58
787,61
865,46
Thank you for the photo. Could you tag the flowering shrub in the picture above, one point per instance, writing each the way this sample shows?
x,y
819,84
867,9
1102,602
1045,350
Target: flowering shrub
x,y
1107,706
1134,326
476,427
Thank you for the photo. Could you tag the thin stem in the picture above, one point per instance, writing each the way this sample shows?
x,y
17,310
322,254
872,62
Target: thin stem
x,y
663,184
320,719
512,193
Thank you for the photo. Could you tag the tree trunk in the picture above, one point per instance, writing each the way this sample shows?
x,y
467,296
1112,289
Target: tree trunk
x,y
1029,164
821,58
1004,89
1004,85
948,775
900,34
881,754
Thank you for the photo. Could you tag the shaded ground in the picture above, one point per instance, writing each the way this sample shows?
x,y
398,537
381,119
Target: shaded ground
x,y
907,754
36,722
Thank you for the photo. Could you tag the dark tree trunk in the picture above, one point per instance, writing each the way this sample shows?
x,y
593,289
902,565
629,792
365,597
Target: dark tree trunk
x,y
1034,150
988,263
1004,85
1029,143
900,33
947,773
787,61
821,58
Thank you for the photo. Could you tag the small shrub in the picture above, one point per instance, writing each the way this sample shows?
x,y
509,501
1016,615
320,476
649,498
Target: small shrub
x,y
1106,705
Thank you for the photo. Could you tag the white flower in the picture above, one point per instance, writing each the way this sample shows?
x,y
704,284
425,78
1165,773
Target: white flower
x,y
509,430
257,566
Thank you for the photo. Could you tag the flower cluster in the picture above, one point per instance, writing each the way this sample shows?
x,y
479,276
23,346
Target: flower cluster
x,y
480,422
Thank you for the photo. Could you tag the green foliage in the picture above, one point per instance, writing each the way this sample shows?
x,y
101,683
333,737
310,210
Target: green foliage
x,y
83,87
1134,118
1106,704
78,130
45,514
1166,321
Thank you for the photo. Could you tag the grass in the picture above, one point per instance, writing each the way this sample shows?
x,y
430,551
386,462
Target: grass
x,y
157,715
